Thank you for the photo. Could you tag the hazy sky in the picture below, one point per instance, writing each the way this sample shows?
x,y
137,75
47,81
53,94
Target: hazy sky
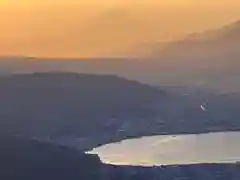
x,y
74,28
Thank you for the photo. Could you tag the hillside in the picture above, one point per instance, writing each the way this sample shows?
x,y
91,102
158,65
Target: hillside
x,y
53,106
85,111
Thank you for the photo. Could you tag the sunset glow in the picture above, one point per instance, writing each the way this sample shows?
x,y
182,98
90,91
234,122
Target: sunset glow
x,y
73,28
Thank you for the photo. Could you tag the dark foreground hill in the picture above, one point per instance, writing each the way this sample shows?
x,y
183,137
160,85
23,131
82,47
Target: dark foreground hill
x,y
177,172
31,160
22,159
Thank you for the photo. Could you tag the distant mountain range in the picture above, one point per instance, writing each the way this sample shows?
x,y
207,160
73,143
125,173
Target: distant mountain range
x,y
216,42
207,60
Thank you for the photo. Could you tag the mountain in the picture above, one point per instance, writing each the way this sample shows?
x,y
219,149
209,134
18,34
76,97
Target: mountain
x,y
56,106
217,42
84,111
208,60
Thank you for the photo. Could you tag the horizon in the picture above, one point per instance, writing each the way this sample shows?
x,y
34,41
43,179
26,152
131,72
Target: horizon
x,y
122,56
74,29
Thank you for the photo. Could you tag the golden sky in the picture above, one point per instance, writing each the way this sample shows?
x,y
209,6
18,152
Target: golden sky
x,y
77,28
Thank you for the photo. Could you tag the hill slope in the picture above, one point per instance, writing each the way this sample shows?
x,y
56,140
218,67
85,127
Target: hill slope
x,y
85,111
60,105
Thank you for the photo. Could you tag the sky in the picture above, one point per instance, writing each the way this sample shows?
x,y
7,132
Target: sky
x,y
77,28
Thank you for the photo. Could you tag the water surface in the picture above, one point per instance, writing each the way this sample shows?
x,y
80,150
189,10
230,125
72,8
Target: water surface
x,y
181,149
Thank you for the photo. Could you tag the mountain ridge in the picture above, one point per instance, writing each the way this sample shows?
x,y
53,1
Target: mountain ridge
x,y
187,62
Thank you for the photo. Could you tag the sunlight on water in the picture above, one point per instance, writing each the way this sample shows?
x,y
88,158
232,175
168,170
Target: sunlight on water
x,y
180,149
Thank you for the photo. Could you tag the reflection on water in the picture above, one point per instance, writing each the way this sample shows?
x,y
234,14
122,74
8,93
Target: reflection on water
x,y
180,149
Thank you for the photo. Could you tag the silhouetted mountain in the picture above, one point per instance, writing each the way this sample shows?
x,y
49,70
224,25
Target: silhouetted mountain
x,y
22,159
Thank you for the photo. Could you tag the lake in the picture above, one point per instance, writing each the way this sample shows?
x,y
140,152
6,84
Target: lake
x,y
221,147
